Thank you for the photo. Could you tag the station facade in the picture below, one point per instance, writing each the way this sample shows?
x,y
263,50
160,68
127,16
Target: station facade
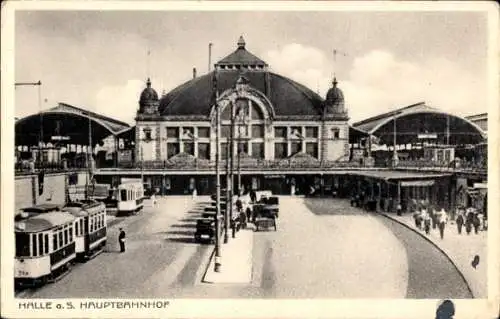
x,y
285,138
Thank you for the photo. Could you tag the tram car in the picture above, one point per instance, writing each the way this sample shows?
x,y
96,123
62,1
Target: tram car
x,y
45,247
90,227
130,198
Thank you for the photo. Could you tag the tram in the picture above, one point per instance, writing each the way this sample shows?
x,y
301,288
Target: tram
x,y
45,247
90,227
130,198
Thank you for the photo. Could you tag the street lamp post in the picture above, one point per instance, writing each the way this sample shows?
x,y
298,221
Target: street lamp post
x,y
217,263
229,177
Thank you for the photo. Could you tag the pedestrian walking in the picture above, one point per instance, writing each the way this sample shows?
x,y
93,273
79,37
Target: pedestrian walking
x,y
416,217
443,218
121,240
460,222
153,199
434,217
253,196
399,209
476,222
427,221
469,220
194,194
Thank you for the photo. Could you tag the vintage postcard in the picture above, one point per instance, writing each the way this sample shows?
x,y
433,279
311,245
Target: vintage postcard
x,y
249,159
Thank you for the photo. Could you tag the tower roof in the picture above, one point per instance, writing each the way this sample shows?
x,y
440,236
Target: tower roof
x,y
242,57
148,94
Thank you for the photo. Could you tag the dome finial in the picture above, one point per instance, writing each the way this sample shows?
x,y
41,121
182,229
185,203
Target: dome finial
x,y
241,43
334,81
148,82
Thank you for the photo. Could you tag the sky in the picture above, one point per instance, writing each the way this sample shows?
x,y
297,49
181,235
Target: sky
x,y
98,60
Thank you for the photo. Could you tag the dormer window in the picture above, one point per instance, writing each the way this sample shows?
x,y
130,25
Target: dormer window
x,y
336,133
147,134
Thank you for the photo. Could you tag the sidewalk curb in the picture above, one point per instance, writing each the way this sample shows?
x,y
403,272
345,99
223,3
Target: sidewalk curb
x,y
435,245
212,254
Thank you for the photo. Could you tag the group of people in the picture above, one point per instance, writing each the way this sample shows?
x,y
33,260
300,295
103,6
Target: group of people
x,y
426,217
470,218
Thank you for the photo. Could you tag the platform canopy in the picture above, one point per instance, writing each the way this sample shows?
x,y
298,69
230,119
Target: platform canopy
x,y
66,124
419,122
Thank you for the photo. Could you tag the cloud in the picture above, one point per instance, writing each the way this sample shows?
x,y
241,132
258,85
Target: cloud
x,y
121,101
378,81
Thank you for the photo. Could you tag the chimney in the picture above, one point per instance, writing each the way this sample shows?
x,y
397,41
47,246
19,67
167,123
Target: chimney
x,y
194,73
209,56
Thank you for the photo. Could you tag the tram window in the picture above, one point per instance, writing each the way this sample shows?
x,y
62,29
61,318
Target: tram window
x,y
22,244
65,237
46,242
86,225
60,238
81,226
54,242
123,195
33,245
70,234
40,244
76,228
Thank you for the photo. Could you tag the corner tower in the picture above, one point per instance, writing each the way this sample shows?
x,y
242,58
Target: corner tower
x,y
335,129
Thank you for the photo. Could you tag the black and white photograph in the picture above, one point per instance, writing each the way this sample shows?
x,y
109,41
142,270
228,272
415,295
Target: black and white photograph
x,y
159,160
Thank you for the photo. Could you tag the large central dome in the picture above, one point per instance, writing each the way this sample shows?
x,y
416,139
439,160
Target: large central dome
x,y
196,96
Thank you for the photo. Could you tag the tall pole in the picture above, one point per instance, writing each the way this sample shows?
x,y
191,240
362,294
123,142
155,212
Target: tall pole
x,y
239,160
89,150
229,146
217,263
447,130
395,154
142,164
231,172
209,56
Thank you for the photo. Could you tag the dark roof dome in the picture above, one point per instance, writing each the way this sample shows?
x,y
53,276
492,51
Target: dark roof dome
x,y
195,97
148,94
334,96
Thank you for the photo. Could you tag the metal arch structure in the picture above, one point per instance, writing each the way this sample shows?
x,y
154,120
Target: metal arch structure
x,y
68,121
418,119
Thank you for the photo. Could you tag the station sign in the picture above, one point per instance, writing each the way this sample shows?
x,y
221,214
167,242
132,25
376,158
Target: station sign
x,y
427,136
60,138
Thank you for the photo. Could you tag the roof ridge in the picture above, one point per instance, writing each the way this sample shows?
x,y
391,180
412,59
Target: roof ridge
x,y
389,114
97,115
242,50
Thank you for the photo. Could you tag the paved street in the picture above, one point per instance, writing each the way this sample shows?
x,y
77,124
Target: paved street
x,y
323,249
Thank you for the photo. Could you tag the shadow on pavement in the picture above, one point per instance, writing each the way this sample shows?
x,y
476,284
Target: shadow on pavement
x,y
180,232
184,226
183,240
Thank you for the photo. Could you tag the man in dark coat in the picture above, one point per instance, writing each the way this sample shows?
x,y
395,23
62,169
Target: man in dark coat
x,y
121,240
460,222
253,196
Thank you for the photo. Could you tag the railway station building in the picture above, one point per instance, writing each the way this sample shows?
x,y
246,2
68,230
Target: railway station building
x,y
286,138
